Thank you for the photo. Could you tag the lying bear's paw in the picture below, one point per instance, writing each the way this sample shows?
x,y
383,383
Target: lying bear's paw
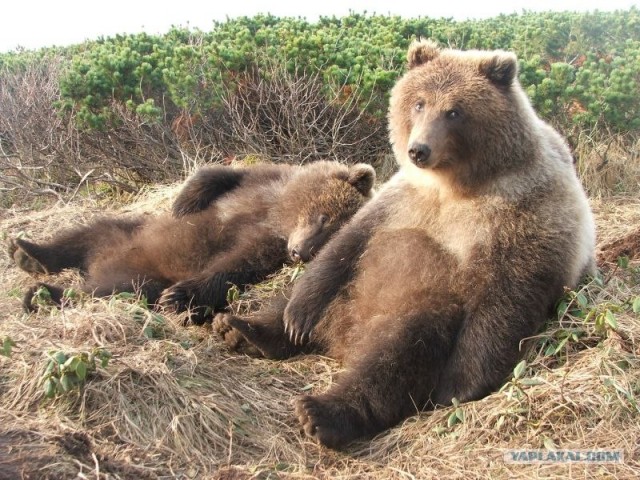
x,y
177,297
25,261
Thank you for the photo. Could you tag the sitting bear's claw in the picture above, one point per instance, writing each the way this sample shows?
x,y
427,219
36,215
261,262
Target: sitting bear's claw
x,y
297,330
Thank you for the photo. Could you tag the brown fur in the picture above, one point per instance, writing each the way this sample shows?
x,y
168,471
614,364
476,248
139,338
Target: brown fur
x,y
428,293
230,226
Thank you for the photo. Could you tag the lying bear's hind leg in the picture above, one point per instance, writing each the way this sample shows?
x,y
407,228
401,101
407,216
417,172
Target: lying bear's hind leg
x,y
72,248
19,250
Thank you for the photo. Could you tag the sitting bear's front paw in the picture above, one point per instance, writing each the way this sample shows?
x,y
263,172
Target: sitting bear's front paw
x,y
180,298
297,324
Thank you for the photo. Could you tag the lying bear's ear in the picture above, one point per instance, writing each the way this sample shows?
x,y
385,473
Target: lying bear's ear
x,y
422,51
362,176
500,68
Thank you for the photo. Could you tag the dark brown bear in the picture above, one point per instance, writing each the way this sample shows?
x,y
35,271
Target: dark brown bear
x,y
427,294
230,226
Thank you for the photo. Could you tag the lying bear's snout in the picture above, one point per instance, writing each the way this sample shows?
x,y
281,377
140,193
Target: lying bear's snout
x,y
301,253
295,255
419,154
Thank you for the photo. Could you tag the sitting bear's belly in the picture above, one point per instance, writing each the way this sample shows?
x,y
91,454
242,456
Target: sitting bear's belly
x,y
403,271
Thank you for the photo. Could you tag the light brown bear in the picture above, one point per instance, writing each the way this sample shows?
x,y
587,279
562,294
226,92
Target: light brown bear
x,y
231,226
428,292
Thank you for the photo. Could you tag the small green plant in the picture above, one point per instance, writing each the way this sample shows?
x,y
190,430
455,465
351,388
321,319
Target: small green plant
x,y
41,297
457,416
515,388
153,324
635,305
233,295
67,371
7,346
604,317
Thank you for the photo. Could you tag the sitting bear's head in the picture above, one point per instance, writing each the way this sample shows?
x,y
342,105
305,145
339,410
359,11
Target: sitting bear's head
x,y
320,199
460,116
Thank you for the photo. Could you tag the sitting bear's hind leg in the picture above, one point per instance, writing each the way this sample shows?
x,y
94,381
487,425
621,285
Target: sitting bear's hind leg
x,y
259,335
389,377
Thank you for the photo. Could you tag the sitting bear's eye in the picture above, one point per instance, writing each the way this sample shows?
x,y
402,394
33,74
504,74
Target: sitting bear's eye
x,y
418,107
323,219
452,114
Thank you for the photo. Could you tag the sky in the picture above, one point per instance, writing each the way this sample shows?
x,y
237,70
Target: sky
x,y
39,23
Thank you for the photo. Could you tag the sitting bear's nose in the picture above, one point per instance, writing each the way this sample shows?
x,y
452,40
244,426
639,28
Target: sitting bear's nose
x,y
419,153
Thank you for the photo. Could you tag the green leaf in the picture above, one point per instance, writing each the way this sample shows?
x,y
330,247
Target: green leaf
x,y
148,332
452,420
531,382
439,430
636,305
561,345
623,262
70,293
81,370
610,319
460,414
60,357
549,444
7,346
562,308
50,366
581,300
66,382
71,363
520,368
49,388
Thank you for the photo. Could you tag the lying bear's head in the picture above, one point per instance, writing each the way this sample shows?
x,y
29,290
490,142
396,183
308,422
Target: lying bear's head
x,y
320,199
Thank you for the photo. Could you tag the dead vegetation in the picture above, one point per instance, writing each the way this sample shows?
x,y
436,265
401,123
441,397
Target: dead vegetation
x,y
268,114
173,403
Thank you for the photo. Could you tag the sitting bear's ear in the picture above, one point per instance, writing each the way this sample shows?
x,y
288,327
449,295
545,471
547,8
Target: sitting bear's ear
x,y
362,176
501,68
422,51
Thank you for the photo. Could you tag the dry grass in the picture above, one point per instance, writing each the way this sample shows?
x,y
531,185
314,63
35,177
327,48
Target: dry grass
x,y
175,403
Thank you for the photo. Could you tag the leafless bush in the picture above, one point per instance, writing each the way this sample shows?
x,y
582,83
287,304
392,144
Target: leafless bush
x,y
43,152
289,117
132,151
32,133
